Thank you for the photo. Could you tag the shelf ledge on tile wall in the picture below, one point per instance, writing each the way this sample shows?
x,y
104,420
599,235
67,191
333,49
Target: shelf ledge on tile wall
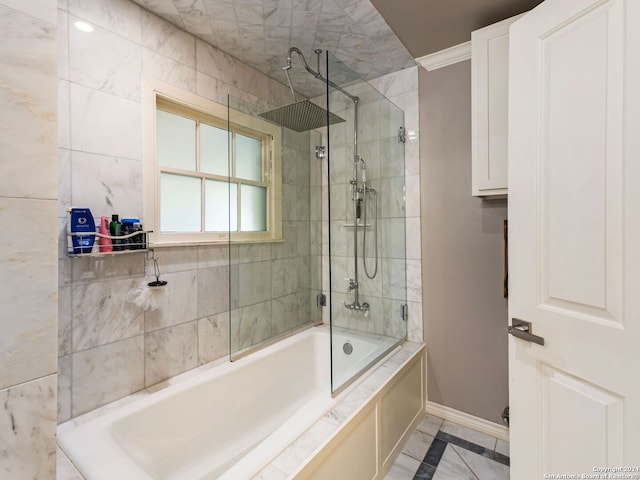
x,y
125,248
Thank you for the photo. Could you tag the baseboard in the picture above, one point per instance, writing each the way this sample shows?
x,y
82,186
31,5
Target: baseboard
x,y
467,420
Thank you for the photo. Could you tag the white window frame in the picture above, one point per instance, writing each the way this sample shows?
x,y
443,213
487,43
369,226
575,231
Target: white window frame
x,y
155,92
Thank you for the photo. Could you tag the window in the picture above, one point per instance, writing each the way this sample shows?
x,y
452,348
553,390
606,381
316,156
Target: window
x,y
212,174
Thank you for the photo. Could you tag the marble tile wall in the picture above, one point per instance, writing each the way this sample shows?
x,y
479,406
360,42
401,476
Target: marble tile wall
x,y
115,335
28,257
398,206
402,89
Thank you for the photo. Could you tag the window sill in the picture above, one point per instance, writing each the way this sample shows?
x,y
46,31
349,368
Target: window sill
x,y
210,243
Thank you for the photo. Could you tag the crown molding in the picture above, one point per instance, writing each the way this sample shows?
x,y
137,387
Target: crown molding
x,y
448,56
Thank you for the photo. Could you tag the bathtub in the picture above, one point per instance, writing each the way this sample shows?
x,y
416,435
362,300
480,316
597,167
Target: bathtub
x,y
226,422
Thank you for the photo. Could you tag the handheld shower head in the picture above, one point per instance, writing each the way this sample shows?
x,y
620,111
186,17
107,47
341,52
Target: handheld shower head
x,y
363,165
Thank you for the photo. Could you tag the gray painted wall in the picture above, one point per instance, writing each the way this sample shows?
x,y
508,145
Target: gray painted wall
x,y
465,314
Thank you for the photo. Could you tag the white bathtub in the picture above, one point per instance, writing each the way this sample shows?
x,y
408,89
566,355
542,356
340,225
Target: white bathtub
x,y
203,426
364,349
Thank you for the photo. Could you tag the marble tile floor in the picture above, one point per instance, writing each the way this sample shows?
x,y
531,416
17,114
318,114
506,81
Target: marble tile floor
x,y
442,450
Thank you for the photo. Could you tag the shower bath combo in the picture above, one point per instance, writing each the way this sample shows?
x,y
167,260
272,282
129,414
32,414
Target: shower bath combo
x,y
305,115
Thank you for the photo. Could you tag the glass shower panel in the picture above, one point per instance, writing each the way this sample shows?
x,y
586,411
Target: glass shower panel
x,y
273,285
366,225
221,206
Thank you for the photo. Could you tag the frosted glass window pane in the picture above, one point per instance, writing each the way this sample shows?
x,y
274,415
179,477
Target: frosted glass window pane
x,y
214,150
180,203
248,158
175,141
217,211
253,216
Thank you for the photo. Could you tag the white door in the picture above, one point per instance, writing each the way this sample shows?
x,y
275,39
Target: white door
x,y
574,246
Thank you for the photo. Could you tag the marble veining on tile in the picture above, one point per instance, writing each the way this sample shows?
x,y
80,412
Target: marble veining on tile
x,y
452,466
468,434
403,468
28,97
293,456
430,425
168,70
481,466
164,38
93,129
102,315
354,31
175,303
28,321
28,423
115,70
417,444
106,373
448,457
170,351
106,184
213,337
119,16
250,325
64,388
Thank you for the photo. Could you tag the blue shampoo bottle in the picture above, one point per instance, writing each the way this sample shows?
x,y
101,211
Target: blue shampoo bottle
x,y
82,222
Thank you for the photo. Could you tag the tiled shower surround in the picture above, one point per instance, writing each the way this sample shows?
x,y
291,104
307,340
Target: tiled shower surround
x,y
28,198
109,347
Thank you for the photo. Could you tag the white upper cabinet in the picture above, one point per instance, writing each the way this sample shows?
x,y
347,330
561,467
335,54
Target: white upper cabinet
x,y
489,99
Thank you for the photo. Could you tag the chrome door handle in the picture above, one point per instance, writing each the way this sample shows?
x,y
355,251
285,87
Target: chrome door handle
x,y
521,329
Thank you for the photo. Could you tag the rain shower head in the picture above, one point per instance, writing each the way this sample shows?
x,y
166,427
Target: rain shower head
x,y
302,116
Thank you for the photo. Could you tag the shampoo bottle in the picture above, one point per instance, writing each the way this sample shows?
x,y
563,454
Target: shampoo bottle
x,y
115,228
105,243
82,223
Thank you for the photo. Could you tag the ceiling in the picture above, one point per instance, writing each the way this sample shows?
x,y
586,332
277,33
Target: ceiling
x,y
372,37
428,26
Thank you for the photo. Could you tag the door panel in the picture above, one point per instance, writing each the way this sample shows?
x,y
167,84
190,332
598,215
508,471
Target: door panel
x,y
581,98
579,420
574,209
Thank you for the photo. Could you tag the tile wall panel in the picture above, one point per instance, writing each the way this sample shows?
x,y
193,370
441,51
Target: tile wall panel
x,y
28,423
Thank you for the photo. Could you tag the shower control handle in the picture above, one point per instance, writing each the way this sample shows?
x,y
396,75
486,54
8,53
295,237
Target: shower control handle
x,y
522,329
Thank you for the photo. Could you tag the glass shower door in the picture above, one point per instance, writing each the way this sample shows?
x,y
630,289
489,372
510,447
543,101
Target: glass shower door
x,y
366,225
273,283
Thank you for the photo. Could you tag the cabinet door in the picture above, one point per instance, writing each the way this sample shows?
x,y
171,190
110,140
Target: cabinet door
x,y
489,92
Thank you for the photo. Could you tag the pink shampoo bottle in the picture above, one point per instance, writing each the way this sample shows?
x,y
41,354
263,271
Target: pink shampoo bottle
x,y
105,243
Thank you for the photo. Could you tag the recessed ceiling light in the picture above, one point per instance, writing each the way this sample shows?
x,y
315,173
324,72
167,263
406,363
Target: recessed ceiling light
x,y
83,26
